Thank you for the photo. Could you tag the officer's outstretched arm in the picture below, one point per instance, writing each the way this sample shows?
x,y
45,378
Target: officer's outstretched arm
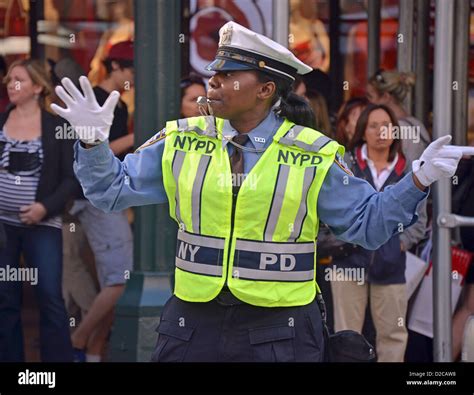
x,y
358,214
112,185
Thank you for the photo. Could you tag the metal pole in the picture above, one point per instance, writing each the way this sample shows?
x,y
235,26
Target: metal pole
x,y
281,22
33,28
443,71
336,71
373,37
460,77
421,59
405,42
158,44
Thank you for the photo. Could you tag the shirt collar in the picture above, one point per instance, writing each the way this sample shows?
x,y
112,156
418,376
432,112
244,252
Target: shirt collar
x,y
261,136
390,166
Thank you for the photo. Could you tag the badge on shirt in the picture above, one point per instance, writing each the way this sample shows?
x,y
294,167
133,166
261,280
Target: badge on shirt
x,y
342,164
259,140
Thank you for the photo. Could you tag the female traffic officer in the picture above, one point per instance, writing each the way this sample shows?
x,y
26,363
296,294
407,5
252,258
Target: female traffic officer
x,y
248,188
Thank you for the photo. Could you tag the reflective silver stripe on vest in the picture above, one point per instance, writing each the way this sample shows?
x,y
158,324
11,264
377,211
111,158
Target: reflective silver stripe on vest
x,y
294,132
254,274
308,178
183,126
211,130
196,193
316,146
274,248
289,137
203,241
277,201
199,268
320,142
178,161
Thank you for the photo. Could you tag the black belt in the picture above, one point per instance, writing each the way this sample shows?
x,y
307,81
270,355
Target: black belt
x,y
226,298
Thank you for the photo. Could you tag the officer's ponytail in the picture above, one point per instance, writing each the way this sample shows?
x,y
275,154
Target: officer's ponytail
x,y
287,104
296,109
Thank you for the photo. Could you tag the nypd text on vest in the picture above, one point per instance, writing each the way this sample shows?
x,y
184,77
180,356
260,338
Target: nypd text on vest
x,y
287,262
298,159
190,143
184,248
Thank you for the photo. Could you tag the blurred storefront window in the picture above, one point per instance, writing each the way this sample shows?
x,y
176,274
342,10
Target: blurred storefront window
x,y
207,16
309,39
354,42
14,32
84,30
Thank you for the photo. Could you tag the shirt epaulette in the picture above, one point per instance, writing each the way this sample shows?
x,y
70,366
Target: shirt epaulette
x,y
342,164
157,137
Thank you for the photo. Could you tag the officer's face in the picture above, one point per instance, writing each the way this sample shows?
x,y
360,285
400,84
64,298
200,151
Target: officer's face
x,y
234,93
377,133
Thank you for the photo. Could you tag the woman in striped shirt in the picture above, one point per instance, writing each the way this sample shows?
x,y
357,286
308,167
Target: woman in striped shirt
x,y
36,180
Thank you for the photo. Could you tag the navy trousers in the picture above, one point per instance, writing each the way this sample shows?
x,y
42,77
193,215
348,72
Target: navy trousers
x,y
213,332
42,249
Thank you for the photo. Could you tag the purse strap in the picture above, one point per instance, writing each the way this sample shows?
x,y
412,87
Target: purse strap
x,y
322,307
326,334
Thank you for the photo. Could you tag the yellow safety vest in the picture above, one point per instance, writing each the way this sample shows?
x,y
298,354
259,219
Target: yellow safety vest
x,y
264,248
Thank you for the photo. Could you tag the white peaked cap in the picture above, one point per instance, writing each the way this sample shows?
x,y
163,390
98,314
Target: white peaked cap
x,y
243,49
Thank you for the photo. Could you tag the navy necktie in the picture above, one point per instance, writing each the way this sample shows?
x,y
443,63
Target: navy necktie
x,y
237,161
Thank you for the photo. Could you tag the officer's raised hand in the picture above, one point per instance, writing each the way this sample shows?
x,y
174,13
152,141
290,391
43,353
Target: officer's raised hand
x,y
90,121
439,160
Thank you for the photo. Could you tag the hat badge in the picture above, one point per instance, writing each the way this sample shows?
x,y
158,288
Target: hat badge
x,y
226,36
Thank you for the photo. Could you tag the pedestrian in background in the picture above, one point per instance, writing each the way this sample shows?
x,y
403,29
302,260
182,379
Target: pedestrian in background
x,y
109,234
36,181
391,88
347,118
380,161
79,279
192,86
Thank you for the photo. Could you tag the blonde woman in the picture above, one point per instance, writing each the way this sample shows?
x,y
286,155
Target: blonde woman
x,y
391,88
36,180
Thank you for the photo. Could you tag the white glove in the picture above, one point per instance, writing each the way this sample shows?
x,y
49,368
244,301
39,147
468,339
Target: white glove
x,y
90,121
439,160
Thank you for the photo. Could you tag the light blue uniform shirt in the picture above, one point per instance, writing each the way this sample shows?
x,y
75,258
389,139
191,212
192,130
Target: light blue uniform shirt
x,y
350,206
